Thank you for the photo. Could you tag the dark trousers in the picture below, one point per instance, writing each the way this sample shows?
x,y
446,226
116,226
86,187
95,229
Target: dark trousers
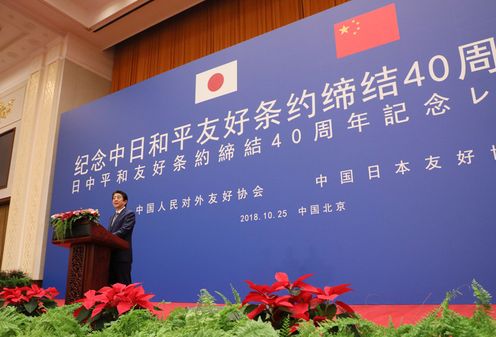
x,y
120,272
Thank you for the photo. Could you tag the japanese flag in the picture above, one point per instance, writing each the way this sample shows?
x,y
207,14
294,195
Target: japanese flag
x,y
218,81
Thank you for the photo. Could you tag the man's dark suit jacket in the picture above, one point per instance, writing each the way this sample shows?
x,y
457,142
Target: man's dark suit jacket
x,y
123,227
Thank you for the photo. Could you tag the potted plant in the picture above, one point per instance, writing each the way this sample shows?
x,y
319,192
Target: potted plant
x,y
13,278
64,223
29,300
108,303
299,301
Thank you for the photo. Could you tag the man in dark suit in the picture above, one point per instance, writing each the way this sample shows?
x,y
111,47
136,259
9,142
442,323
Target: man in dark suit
x,y
121,224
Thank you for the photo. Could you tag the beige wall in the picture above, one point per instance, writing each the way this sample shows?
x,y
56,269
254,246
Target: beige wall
x,y
80,86
14,94
54,84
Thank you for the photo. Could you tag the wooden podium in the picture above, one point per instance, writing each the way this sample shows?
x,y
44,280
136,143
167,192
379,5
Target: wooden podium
x,y
90,246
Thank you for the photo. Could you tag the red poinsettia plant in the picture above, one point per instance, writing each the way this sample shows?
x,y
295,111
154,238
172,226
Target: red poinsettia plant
x,y
108,303
62,222
301,301
29,300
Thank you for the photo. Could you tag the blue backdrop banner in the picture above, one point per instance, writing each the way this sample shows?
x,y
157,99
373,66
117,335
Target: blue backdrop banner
x,y
357,145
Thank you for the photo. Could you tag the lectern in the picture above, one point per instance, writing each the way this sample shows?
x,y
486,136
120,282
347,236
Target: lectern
x,y
90,247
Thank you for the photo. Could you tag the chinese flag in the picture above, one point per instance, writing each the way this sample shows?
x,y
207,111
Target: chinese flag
x,y
365,31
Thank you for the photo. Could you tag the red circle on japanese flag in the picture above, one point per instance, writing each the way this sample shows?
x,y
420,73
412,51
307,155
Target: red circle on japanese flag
x,y
215,82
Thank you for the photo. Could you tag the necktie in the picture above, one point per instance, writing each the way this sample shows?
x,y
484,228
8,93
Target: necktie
x,y
113,220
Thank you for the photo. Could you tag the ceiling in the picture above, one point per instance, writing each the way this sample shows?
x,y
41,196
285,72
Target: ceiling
x,y
28,25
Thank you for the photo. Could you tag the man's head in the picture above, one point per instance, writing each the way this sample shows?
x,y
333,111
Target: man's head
x,y
119,199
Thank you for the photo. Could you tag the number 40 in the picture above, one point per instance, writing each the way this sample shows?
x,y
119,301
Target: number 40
x,y
414,75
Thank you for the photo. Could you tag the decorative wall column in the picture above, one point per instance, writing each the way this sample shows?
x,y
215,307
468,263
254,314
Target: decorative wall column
x,y
27,220
54,76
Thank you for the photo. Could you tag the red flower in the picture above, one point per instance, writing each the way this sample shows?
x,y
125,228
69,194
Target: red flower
x,y
67,215
14,295
330,293
63,222
31,300
304,301
138,297
345,307
89,299
255,312
294,328
267,299
283,282
38,292
300,310
111,302
262,288
303,297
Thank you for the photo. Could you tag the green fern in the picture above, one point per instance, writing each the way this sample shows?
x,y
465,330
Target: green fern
x,y
185,322
57,322
285,330
348,326
237,298
15,282
210,320
208,332
308,329
224,298
251,328
176,319
12,323
230,316
9,274
205,298
133,323
483,298
14,278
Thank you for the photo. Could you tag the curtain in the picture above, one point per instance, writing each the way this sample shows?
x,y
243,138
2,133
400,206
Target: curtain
x,y
202,30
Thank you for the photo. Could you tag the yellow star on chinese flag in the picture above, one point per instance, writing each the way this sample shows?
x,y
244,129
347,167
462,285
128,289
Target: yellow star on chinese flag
x,y
344,29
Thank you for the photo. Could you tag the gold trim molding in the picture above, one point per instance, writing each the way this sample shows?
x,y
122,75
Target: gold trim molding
x,y
5,109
